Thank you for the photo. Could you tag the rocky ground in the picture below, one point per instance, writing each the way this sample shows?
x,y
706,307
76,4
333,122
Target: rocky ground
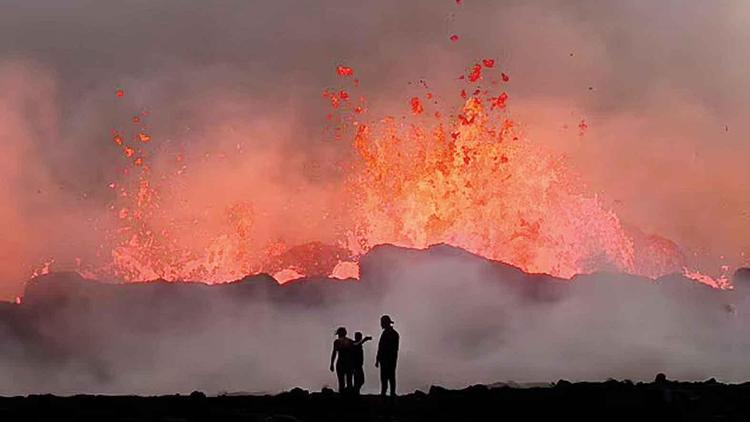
x,y
606,401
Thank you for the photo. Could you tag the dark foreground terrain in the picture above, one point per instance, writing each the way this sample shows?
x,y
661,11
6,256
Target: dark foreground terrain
x,y
707,401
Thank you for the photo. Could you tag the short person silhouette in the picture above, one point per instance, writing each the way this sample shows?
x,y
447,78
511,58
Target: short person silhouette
x,y
358,361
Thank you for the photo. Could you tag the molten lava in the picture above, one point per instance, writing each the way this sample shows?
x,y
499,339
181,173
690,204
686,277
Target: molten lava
x,y
474,182
470,179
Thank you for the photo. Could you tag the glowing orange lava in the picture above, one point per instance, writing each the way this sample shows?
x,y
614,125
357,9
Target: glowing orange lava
x,y
470,179
475,183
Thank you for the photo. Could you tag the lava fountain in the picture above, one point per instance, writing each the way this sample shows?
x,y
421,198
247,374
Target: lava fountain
x,y
468,178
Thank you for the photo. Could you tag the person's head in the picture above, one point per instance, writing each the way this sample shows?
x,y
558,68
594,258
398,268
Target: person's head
x,y
341,332
357,336
386,321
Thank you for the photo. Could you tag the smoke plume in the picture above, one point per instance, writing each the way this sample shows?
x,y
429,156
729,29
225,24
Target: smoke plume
x,y
462,319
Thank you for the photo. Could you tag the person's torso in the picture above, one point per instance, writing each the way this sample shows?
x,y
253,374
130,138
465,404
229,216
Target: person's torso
x,y
345,347
388,345
358,355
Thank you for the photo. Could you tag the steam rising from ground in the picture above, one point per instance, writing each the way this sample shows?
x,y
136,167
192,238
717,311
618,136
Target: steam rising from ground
x,y
462,320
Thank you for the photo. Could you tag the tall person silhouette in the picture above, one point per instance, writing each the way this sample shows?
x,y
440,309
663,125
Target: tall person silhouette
x,y
387,355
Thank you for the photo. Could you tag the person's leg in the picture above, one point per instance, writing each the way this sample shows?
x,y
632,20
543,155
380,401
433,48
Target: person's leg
x,y
392,379
386,376
383,380
359,379
349,378
340,376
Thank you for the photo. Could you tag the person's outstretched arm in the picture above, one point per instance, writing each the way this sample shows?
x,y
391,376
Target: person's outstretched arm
x,y
333,356
363,341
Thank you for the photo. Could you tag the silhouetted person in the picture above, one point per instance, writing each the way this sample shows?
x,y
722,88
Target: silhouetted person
x,y
387,355
343,347
358,361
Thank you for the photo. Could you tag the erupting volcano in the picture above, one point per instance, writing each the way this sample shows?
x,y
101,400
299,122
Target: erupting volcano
x,y
467,177
226,185
244,197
